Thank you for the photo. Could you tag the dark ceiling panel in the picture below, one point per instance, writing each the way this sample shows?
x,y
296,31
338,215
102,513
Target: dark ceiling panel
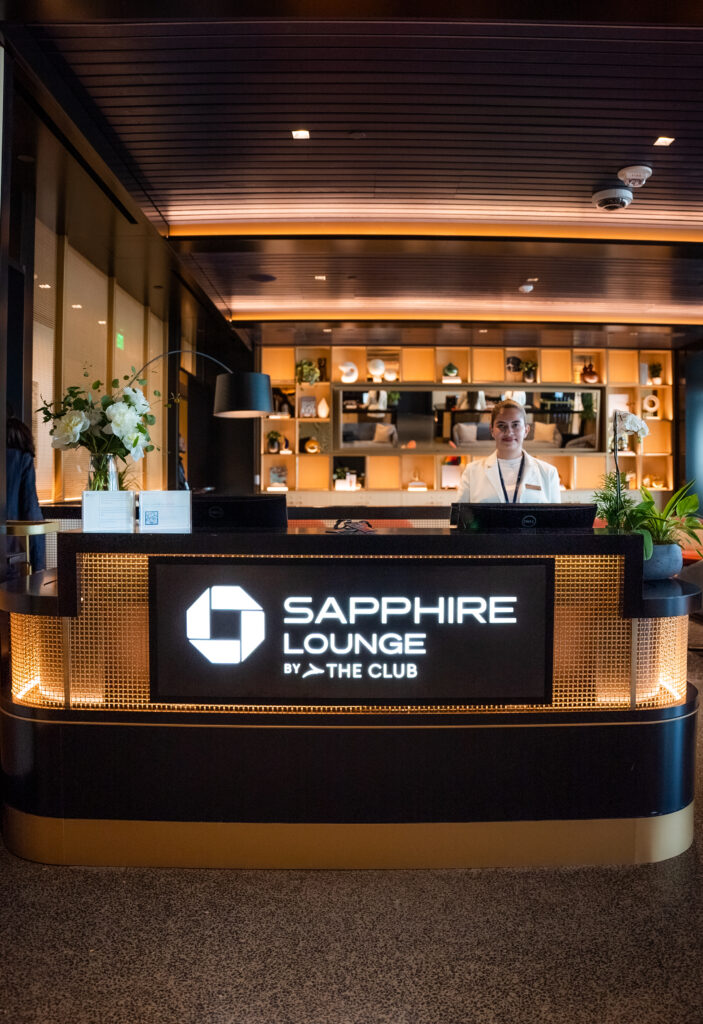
x,y
473,120
450,121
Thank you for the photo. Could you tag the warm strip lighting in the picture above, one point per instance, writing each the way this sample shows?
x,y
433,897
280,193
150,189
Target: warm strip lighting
x,y
664,140
300,133
320,277
669,686
485,309
45,286
35,681
102,323
76,305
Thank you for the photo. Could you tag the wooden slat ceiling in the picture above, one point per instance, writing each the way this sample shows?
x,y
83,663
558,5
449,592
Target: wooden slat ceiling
x,y
451,122
465,279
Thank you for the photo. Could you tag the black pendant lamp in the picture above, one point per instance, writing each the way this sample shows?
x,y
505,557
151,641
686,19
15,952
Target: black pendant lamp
x,y
242,395
239,394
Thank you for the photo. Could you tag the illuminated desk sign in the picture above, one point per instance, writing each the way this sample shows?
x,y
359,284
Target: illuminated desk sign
x,y
332,631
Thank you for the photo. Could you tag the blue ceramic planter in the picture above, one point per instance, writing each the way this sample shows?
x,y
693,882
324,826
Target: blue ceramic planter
x,y
666,561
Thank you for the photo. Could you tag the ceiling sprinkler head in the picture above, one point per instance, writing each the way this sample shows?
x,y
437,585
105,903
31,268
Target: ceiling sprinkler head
x,y
635,176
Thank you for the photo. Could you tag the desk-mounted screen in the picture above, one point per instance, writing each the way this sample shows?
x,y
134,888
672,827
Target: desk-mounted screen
x,y
333,631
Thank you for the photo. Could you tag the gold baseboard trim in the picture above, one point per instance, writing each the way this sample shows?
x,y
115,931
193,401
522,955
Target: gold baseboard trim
x,y
337,846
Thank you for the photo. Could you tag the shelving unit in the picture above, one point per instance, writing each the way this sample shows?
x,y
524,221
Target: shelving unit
x,y
623,381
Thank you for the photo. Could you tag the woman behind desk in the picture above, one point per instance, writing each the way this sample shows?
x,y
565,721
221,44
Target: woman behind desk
x,y
509,474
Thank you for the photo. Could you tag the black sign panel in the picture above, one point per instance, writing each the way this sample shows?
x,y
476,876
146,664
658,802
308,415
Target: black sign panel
x,y
351,631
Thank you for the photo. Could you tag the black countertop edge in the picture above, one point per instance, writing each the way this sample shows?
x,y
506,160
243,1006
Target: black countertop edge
x,y
665,599
638,716
39,594
307,541
31,595
73,510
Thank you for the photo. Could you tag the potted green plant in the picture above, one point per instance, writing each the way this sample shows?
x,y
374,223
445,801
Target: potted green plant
x,y
662,530
529,371
306,372
665,530
613,502
655,373
273,442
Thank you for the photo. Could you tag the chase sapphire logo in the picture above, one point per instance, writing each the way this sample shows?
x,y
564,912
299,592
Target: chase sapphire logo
x,y
227,650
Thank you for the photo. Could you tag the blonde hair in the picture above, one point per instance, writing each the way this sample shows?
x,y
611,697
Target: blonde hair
x,y
507,403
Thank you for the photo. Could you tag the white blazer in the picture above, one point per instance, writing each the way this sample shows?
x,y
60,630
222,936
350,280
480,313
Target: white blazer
x,y
480,482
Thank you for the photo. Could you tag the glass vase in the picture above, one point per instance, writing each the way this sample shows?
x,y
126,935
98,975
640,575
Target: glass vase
x,y
103,475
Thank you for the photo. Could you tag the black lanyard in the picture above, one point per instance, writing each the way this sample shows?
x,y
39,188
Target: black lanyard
x,y
517,482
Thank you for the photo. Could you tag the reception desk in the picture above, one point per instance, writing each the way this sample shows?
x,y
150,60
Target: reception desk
x,y
405,698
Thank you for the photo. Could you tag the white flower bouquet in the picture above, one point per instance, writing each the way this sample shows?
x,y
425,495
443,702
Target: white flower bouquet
x,y
108,425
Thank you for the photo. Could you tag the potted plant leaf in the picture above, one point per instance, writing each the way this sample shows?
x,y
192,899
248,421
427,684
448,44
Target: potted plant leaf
x,y
273,441
306,372
613,502
665,530
655,373
529,371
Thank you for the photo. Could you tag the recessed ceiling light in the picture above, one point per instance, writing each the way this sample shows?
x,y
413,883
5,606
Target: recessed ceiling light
x,y
534,280
300,133
326,330
526,288
45,286
664,140
76,305
320,277
483,330
102,323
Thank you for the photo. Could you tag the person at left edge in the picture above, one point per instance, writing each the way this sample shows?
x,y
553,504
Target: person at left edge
x,y
22,500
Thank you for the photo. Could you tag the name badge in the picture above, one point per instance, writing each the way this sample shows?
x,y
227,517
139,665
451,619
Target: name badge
x,y
533,487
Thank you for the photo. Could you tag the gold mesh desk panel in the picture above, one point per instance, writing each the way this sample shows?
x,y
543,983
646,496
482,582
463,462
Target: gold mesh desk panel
x,y
102,769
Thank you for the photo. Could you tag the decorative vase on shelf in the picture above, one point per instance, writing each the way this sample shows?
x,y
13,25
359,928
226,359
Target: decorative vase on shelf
x,y
349,372
589,374
103,475
323,409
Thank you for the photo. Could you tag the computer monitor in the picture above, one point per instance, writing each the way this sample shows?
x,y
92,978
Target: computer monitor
x,y
498,516
236,512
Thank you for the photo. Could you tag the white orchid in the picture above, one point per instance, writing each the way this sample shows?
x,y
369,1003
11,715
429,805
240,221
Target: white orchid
x,y
68,429
628,423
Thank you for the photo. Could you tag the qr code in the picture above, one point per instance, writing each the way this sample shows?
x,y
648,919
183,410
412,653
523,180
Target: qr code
x,y
151,518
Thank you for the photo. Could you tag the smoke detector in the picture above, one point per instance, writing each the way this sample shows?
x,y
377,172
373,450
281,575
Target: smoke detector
x,y
612,198
635,176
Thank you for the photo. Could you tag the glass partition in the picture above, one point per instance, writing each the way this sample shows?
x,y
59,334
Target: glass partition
x,y
401,417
